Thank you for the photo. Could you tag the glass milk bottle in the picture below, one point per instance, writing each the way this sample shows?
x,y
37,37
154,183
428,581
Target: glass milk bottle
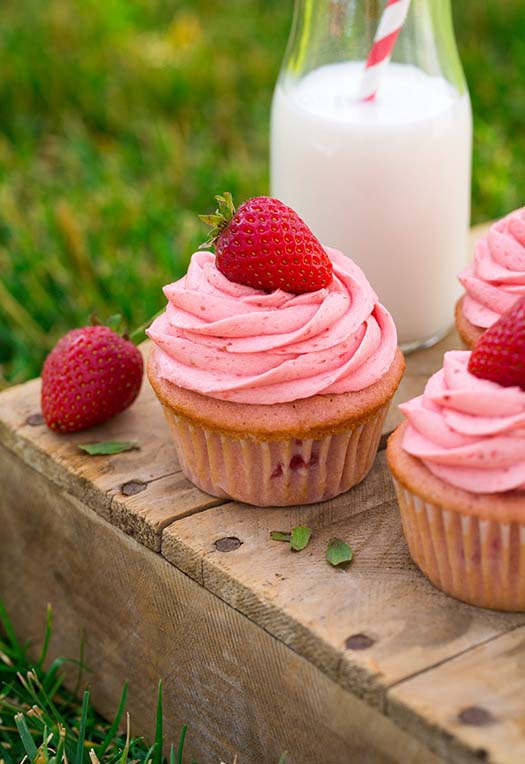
x,y
386,181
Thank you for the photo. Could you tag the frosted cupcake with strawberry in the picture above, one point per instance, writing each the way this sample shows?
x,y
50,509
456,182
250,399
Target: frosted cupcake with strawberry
x,y
274,361
496,278
459,469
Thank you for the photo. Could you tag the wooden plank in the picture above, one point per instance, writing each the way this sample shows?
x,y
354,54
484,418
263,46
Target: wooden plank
x,y
367,629
409,626
110,485
477,698
240,690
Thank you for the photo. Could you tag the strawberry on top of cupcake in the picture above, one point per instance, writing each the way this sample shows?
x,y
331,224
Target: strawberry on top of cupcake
x,y
459,469
274,361
273,316
468,427
496,278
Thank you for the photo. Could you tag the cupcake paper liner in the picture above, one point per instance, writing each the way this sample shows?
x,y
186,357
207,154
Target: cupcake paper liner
x,y
275,472
481,562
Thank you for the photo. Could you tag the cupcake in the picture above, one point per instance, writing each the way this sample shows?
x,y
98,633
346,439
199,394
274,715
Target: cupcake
x,y
274,362
458,464
495,279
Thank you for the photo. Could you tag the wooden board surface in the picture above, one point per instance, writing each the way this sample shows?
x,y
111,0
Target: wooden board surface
x,y
240,690
315,609
138,491
485,709
378,630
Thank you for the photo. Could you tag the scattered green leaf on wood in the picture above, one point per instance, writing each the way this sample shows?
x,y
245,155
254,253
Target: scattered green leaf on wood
x,y
108,447
338,552
280,536
300,537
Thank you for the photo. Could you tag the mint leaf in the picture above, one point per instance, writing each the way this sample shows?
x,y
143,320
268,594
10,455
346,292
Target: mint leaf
x,y
338,552
280,536
108,447
300,537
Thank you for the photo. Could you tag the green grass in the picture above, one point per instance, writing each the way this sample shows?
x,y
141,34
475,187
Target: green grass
x,y
120,119
41,720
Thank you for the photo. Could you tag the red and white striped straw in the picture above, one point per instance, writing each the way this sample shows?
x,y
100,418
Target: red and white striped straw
x,y
389,28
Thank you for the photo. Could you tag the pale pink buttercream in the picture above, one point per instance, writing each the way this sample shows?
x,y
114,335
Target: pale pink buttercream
x,y
468,431
496,278
241,344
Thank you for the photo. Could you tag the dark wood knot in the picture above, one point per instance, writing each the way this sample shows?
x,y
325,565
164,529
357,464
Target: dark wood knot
x,y
359,642
476,716
228,544
132,487
35,420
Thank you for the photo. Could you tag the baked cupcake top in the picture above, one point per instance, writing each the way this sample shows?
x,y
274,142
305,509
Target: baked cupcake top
x,y
237,343
470,432
496,278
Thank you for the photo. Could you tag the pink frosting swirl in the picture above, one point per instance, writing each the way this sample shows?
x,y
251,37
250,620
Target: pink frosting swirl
x,y
496,278
241,344
468,431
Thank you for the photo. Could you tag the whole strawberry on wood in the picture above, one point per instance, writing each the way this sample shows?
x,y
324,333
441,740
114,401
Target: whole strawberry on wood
x,y
264,244
91,375
499,354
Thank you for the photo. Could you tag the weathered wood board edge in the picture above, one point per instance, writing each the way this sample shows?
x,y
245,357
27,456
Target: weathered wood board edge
x,y
133,491
104,500
240,690
199,565
483,720
435,737
363,679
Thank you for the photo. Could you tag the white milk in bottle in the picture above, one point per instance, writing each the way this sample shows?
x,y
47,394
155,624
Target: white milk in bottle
x,y
386,182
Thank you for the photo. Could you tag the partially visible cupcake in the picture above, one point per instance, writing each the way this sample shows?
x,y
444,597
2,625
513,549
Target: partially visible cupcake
x,y
458,464
496,278
275,389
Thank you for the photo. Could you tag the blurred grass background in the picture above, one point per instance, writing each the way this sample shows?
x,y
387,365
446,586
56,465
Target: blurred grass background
x,y
120,119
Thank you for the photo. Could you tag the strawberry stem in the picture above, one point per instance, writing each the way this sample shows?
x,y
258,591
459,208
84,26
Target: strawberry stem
x,y
220,219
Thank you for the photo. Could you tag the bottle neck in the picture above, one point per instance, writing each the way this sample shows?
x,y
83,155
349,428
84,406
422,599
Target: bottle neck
x,y
334,31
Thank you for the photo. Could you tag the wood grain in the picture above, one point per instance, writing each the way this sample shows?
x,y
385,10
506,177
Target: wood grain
x,y
240,690
103,482
477,699
313,608
280,645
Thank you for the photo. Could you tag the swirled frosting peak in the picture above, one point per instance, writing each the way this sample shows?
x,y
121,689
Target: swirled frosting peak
x,y
496,278
241,344
468,431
